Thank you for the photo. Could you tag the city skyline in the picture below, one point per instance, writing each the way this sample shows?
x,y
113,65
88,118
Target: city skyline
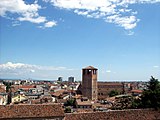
x,y
45,39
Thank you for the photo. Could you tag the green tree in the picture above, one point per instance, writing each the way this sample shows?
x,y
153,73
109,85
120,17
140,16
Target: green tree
x,y
8,90
70,102
113,93
68,110
136,103
151,96
8,85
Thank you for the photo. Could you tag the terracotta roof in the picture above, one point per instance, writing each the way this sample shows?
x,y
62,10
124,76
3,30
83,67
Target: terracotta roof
x,y
27,86
62,101
31,111
58,93
115,115
90,68
35,101
137,91
2,89
79,102
14,88
1,97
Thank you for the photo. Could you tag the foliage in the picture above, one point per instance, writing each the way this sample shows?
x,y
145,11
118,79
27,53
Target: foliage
x,y
113,93
124,102
136,103
68,110
70,102
8,90
9,100
151,96
8,85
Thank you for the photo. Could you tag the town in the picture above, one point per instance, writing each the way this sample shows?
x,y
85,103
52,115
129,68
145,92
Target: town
x,y
88,95
85,93
79,60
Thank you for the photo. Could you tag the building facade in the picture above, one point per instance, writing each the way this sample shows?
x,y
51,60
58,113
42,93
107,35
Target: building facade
x,y
104,88
89,82
70,79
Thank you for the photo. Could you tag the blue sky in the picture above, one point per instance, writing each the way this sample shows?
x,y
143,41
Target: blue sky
x,y
44,39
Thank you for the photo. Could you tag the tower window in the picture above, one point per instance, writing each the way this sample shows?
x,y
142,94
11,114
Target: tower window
x,y
84,72
94,71
89,71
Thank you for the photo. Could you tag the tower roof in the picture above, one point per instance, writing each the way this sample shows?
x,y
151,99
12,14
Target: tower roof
x,y
90,68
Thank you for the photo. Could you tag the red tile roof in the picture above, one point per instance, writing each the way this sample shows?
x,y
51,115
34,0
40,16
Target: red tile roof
x,y
14,88
27,86
2,89
136,91
31,111
58,93
116,115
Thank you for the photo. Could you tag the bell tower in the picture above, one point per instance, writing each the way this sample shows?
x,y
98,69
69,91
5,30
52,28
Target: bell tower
x,y
89,82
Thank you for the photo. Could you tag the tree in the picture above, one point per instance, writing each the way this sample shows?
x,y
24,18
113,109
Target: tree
x,y
8,85
151,96
68,110
113,93
8,90
136,103
70,102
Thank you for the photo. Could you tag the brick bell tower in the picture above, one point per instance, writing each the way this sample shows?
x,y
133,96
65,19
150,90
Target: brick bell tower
x,y
89,82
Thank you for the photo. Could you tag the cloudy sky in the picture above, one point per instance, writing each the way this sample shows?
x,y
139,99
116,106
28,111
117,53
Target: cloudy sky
x,y
44,39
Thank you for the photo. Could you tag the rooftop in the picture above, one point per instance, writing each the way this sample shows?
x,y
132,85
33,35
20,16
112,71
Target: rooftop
x,y
80,102
2,89
136,91
115,115
31,111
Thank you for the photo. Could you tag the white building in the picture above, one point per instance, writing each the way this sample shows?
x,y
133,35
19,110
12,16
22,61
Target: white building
x,y
3,98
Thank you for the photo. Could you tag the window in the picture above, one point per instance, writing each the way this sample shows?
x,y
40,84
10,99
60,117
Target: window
x,y
84,71
94,71
89,71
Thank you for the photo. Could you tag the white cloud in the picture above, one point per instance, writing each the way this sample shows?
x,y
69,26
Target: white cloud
x,y
19,7
24,11
112,11
129,33
50,24
81,12
38,19
128,22
108,71
17,68
15,23
10,68
156,66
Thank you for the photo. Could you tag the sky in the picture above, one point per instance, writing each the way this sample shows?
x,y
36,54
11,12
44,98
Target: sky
x,y
45,39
